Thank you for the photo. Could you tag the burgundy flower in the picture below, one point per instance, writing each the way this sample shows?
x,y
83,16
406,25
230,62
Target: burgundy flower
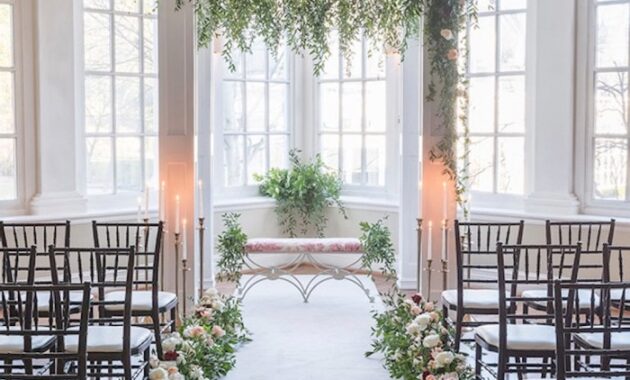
x,y
170,356
417,298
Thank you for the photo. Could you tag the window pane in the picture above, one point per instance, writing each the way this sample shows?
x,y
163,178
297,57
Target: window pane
x,y
609,168
511,165
234,161
255,61
612,35
237,60
151,161
352,68
278,66
100,166
150,6
97,39
128,105
486,5
97,4
151,104
278,151
233,107
98,104
352,106
127,5
352,159
512,104
278,106
329,148
375,160
611,102
481,118
482,45
6,35
127,44
375,65
8,170
129,164
481,163
7,103
513,4
255,106
256,157
329,106
331,67
150,46
375,106
512,49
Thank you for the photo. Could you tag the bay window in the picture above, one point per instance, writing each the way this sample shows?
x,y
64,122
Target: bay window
x,y
8,122
121,95
496,113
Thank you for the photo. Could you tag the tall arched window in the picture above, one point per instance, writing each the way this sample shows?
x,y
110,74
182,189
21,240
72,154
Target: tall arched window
x,y
8,119
121,95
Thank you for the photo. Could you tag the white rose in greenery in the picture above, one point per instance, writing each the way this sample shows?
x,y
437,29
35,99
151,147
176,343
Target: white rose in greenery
x,y
447,34
158,374
154,362
449,376
413,329
169,344
423,320
415,310
176,376
444,358
218,305
212,292
218,331
431,341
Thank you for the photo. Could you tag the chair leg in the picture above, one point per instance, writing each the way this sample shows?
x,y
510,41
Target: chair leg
x,y
8,365
127,367
157,329
173,319
501,365
459,320
147,358
478,354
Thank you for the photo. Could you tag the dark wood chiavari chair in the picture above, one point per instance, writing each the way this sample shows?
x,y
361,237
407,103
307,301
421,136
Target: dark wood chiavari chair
x,y
592,349
147,299
40,235
111,338
476,292
519,335
615,259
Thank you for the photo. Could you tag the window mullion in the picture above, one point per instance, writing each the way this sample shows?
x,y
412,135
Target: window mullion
x,y
112,42
497,68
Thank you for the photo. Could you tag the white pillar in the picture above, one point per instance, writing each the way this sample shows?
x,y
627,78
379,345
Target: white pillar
x,y
177,130
56,105
409,208
551,90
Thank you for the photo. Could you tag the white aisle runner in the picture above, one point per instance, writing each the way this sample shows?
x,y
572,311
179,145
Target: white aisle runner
x,y
324,339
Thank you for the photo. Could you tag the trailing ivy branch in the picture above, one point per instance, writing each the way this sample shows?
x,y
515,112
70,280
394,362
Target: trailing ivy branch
x,y
378,248
231,247
303,194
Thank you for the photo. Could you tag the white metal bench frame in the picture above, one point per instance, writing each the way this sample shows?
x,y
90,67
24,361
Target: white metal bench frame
x,y
286,272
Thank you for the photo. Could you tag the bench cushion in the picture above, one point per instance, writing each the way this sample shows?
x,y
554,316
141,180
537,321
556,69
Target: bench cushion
x,y
306,245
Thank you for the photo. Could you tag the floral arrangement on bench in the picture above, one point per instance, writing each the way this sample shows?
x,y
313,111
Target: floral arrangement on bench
x,y
205,345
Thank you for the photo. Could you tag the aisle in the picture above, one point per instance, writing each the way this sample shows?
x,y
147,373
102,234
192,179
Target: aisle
x,y
324,339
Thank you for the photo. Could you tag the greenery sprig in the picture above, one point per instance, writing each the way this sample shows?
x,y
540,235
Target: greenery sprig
x,y
303,193
378,248
231,247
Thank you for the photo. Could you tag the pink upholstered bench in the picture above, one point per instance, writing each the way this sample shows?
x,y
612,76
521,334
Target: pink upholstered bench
x,y
302,250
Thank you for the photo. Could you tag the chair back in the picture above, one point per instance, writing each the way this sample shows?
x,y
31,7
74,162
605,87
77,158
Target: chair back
x,y
39,343
145,237
615,258
476,248
40,235
520,268
108,270
593,235
594,339
18,265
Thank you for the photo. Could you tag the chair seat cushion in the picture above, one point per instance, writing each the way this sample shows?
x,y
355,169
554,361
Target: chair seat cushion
x,y
473,298
616,294
43,299
15,344
110,339
303,245
583,295
141,300
521,337
618,340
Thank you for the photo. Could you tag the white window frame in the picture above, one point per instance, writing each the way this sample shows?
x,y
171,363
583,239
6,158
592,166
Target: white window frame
x,y
128,199
23,100
495,198
393,78
585,117
219,68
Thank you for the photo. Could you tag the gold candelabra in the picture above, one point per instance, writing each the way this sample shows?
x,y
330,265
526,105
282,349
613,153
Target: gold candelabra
x,y
444,258
202,230
419,263
177,242
185,269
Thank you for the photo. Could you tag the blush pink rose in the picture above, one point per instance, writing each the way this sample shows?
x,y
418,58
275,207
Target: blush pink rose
x,y
218,331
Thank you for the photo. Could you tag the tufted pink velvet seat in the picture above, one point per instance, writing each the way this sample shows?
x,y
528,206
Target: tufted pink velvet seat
x,y
303,245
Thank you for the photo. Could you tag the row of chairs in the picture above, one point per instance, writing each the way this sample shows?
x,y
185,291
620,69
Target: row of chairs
x,y
127,309
526,302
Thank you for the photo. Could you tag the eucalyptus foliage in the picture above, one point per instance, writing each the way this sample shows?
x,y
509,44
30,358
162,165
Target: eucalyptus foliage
x,y
231,247
303,194
378,248
306,26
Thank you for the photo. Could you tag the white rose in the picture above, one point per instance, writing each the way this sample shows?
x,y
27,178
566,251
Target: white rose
x,y
450,376
154,362
447,34
217,305
431,341
169,344
176,376
444,358
158,374
212,292
423,320
413,329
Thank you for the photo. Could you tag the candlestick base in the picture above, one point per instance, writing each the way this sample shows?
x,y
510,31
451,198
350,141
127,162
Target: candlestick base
x,y
185,269
429,271
177,243
444,271
202,230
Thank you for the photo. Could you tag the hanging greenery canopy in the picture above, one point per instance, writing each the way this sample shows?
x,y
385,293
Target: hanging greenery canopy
x,y
307,26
